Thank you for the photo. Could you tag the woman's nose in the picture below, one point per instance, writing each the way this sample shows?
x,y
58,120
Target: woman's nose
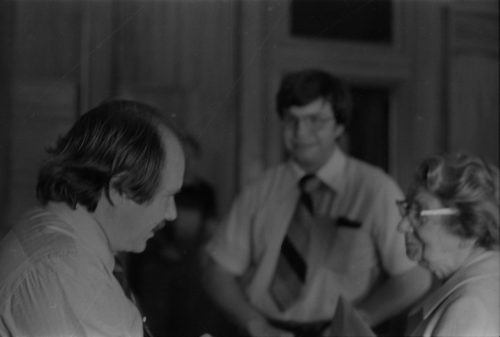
x,y
404,225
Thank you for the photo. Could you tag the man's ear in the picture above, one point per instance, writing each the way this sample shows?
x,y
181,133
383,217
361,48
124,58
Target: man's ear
x,y
115,196
339,130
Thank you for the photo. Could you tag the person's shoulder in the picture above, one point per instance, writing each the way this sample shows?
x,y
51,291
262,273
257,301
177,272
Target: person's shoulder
x,y
469,315
365,168
34,248
483,276
269,176
273,181
43,234
477,290
369,175
482,270
486,288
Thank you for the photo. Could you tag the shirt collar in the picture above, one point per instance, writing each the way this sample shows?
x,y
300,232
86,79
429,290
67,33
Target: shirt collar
x,y
88,231
331,173
472,270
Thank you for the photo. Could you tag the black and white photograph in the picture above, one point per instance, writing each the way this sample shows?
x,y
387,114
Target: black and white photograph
x,y
249,168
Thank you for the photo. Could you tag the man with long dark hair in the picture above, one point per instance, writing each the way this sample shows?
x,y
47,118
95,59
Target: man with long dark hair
x,y
107,186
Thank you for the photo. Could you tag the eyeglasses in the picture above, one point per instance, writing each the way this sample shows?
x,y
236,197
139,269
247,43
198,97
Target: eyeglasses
x,y
415,214
313,122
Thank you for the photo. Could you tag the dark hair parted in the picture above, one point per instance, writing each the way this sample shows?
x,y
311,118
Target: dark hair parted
x,y
303,87
469,184
115,145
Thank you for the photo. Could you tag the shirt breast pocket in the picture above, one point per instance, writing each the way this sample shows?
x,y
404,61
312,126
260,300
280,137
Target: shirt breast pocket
x,y
352,250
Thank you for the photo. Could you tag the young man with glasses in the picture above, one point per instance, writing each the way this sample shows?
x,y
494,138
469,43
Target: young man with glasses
x,y
349,260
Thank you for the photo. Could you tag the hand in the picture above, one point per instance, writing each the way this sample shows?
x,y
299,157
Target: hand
x,y
261,328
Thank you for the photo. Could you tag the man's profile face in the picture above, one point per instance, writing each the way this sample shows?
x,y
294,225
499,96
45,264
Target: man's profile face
x,y
138,222
310,133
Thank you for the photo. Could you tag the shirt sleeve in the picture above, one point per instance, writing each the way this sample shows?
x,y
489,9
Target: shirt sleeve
x,y
389,241
60,296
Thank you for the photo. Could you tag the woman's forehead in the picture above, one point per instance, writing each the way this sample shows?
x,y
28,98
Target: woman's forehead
x,y
424,198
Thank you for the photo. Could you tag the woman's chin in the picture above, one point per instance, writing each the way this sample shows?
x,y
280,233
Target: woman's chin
x,y
414,252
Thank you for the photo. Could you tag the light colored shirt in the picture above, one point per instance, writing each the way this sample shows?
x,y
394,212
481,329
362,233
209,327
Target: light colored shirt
x,y
467,304
342,259
56,279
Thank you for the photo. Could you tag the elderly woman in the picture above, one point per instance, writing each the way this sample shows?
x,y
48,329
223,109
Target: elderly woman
x,y
451,227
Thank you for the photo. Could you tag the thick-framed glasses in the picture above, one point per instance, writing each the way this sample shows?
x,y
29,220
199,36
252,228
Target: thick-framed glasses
x,y
415,214
313,122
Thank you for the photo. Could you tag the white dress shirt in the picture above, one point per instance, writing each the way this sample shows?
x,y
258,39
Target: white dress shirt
x,y
56,279
343,259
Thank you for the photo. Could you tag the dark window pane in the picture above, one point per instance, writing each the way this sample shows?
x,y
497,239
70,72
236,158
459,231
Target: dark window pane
x,y
368,132
362,20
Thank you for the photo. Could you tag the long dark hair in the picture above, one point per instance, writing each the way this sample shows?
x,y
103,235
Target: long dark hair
x,y
115,145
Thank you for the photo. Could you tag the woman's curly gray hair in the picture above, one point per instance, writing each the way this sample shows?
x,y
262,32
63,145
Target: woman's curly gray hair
x,y
469,184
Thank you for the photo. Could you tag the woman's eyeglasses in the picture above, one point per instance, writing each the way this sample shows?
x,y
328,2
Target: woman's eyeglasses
x,y
414,213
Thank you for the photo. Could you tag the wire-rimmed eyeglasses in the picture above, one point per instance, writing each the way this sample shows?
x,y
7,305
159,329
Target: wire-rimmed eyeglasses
x,y
313,122
414,213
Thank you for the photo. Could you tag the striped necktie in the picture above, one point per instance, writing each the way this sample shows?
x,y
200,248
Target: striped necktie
x,y
120,274
291,269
